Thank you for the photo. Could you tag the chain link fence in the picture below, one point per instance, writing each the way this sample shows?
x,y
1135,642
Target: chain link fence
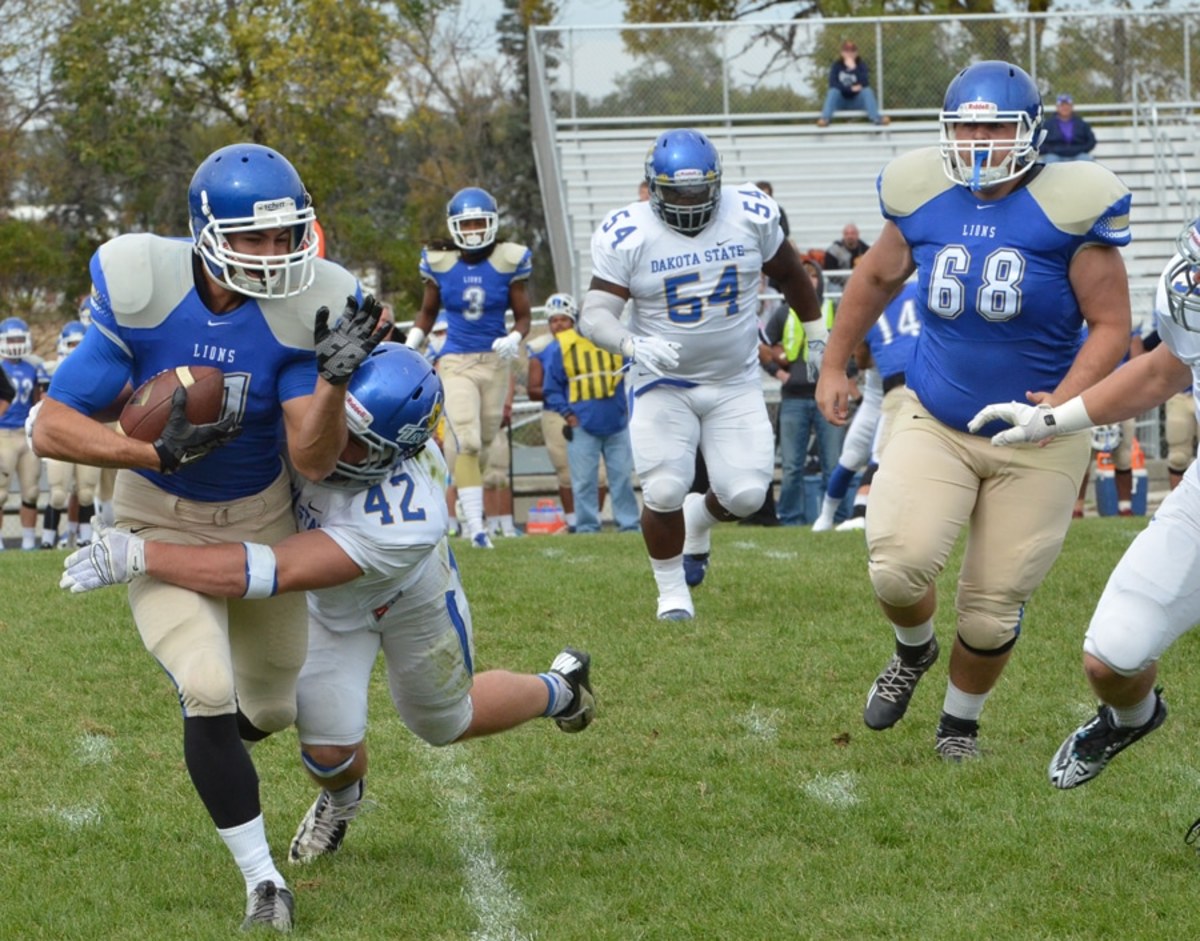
x,y
776,70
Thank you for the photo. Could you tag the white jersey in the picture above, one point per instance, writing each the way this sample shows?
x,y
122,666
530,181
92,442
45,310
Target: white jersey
x,y
396,533
702,290
1183,343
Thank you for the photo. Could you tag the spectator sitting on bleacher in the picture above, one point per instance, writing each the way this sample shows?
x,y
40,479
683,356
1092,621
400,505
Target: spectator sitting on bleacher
x,y
849,87
844,254
1068,136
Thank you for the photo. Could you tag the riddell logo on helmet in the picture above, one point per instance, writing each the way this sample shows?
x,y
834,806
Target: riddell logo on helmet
x,y
977,109
274,206
358,413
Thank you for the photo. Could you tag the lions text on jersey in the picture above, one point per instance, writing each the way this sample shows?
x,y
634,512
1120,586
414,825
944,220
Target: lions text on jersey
x,y
993,276
144,300
701,290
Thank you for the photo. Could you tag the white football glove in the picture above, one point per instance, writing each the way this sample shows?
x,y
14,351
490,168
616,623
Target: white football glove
x,y
1032,423
816,353
115,558
29,420
653,354
508,347
816,335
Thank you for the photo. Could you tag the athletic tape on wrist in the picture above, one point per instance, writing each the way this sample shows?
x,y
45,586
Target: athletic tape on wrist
x,y
261,578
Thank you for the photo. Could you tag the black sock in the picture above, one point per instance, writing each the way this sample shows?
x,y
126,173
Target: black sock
x,y
221,769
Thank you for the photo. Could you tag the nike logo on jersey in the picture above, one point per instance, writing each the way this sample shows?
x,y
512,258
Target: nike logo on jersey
x,y
219,323
985,205
723,241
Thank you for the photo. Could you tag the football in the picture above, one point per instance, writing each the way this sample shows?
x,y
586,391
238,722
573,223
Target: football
x,y
145,414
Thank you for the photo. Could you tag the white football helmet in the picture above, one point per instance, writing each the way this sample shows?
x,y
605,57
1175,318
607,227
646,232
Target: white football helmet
x,y
70,337
1182,279
15,339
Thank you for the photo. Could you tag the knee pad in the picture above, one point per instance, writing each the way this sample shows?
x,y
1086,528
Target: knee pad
x,y
989,632
271,716
207,690
59,497
495,478
470,441
745,500
897,584
665,494
1123,645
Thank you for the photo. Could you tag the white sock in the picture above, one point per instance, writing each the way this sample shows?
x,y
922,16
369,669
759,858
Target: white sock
x,y
559,689
668,575
85,532
72,528
962,705
248,844
1137,715
917,636
349,795
570,518
506,524
28,537
829,507
698,524
472,504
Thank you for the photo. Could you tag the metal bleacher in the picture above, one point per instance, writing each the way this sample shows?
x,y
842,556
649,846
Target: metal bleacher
x,y
825,178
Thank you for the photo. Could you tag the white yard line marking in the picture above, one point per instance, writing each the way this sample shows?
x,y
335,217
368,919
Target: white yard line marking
x,y
77,817
498,907
837,790
91,749
760,725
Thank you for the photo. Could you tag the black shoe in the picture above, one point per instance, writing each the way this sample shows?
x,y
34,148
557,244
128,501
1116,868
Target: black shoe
x,y
1094,744
957,739
270,906
893,688
575,667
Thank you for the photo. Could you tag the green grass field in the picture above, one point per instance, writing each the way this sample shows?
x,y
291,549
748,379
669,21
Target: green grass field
x,y
727,790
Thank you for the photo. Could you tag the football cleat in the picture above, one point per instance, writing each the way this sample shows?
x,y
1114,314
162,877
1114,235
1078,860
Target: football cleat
x,y
675,608
1089,749
323,828
823,524
893,688
855,522
271,906
481,541
694,568
574,666
957,739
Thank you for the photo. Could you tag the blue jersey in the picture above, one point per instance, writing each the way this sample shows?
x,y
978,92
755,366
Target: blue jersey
x,y
475,295
147,316
998,315
893,337
26,375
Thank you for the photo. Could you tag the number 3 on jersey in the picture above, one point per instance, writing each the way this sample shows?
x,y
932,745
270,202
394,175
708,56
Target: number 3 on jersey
x,y
999,295
691,309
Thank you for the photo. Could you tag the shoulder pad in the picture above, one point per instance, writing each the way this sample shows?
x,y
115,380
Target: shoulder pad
x,y
539,343
291,319
508,257
145,275
911,180
1075,193
440,261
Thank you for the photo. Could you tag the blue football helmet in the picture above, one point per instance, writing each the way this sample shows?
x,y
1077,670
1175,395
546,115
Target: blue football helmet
x,y
393,404
1181,279
70,337
15,339
991,92
472,204
561,305
683,171
251,188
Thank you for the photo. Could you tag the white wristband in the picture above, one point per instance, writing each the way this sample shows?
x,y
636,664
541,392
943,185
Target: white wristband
x,y
1071,416
815,330
261,578
414,338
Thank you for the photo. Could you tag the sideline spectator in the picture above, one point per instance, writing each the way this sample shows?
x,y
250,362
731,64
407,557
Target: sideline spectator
x,y
25,373
799,418
849,88
844,254
585,385
1068,136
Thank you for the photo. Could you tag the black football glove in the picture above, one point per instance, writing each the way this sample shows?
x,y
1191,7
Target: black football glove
x,y
342,349
181,442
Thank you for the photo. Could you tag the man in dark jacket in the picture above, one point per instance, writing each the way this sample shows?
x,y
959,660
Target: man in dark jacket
x,y
1068,136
